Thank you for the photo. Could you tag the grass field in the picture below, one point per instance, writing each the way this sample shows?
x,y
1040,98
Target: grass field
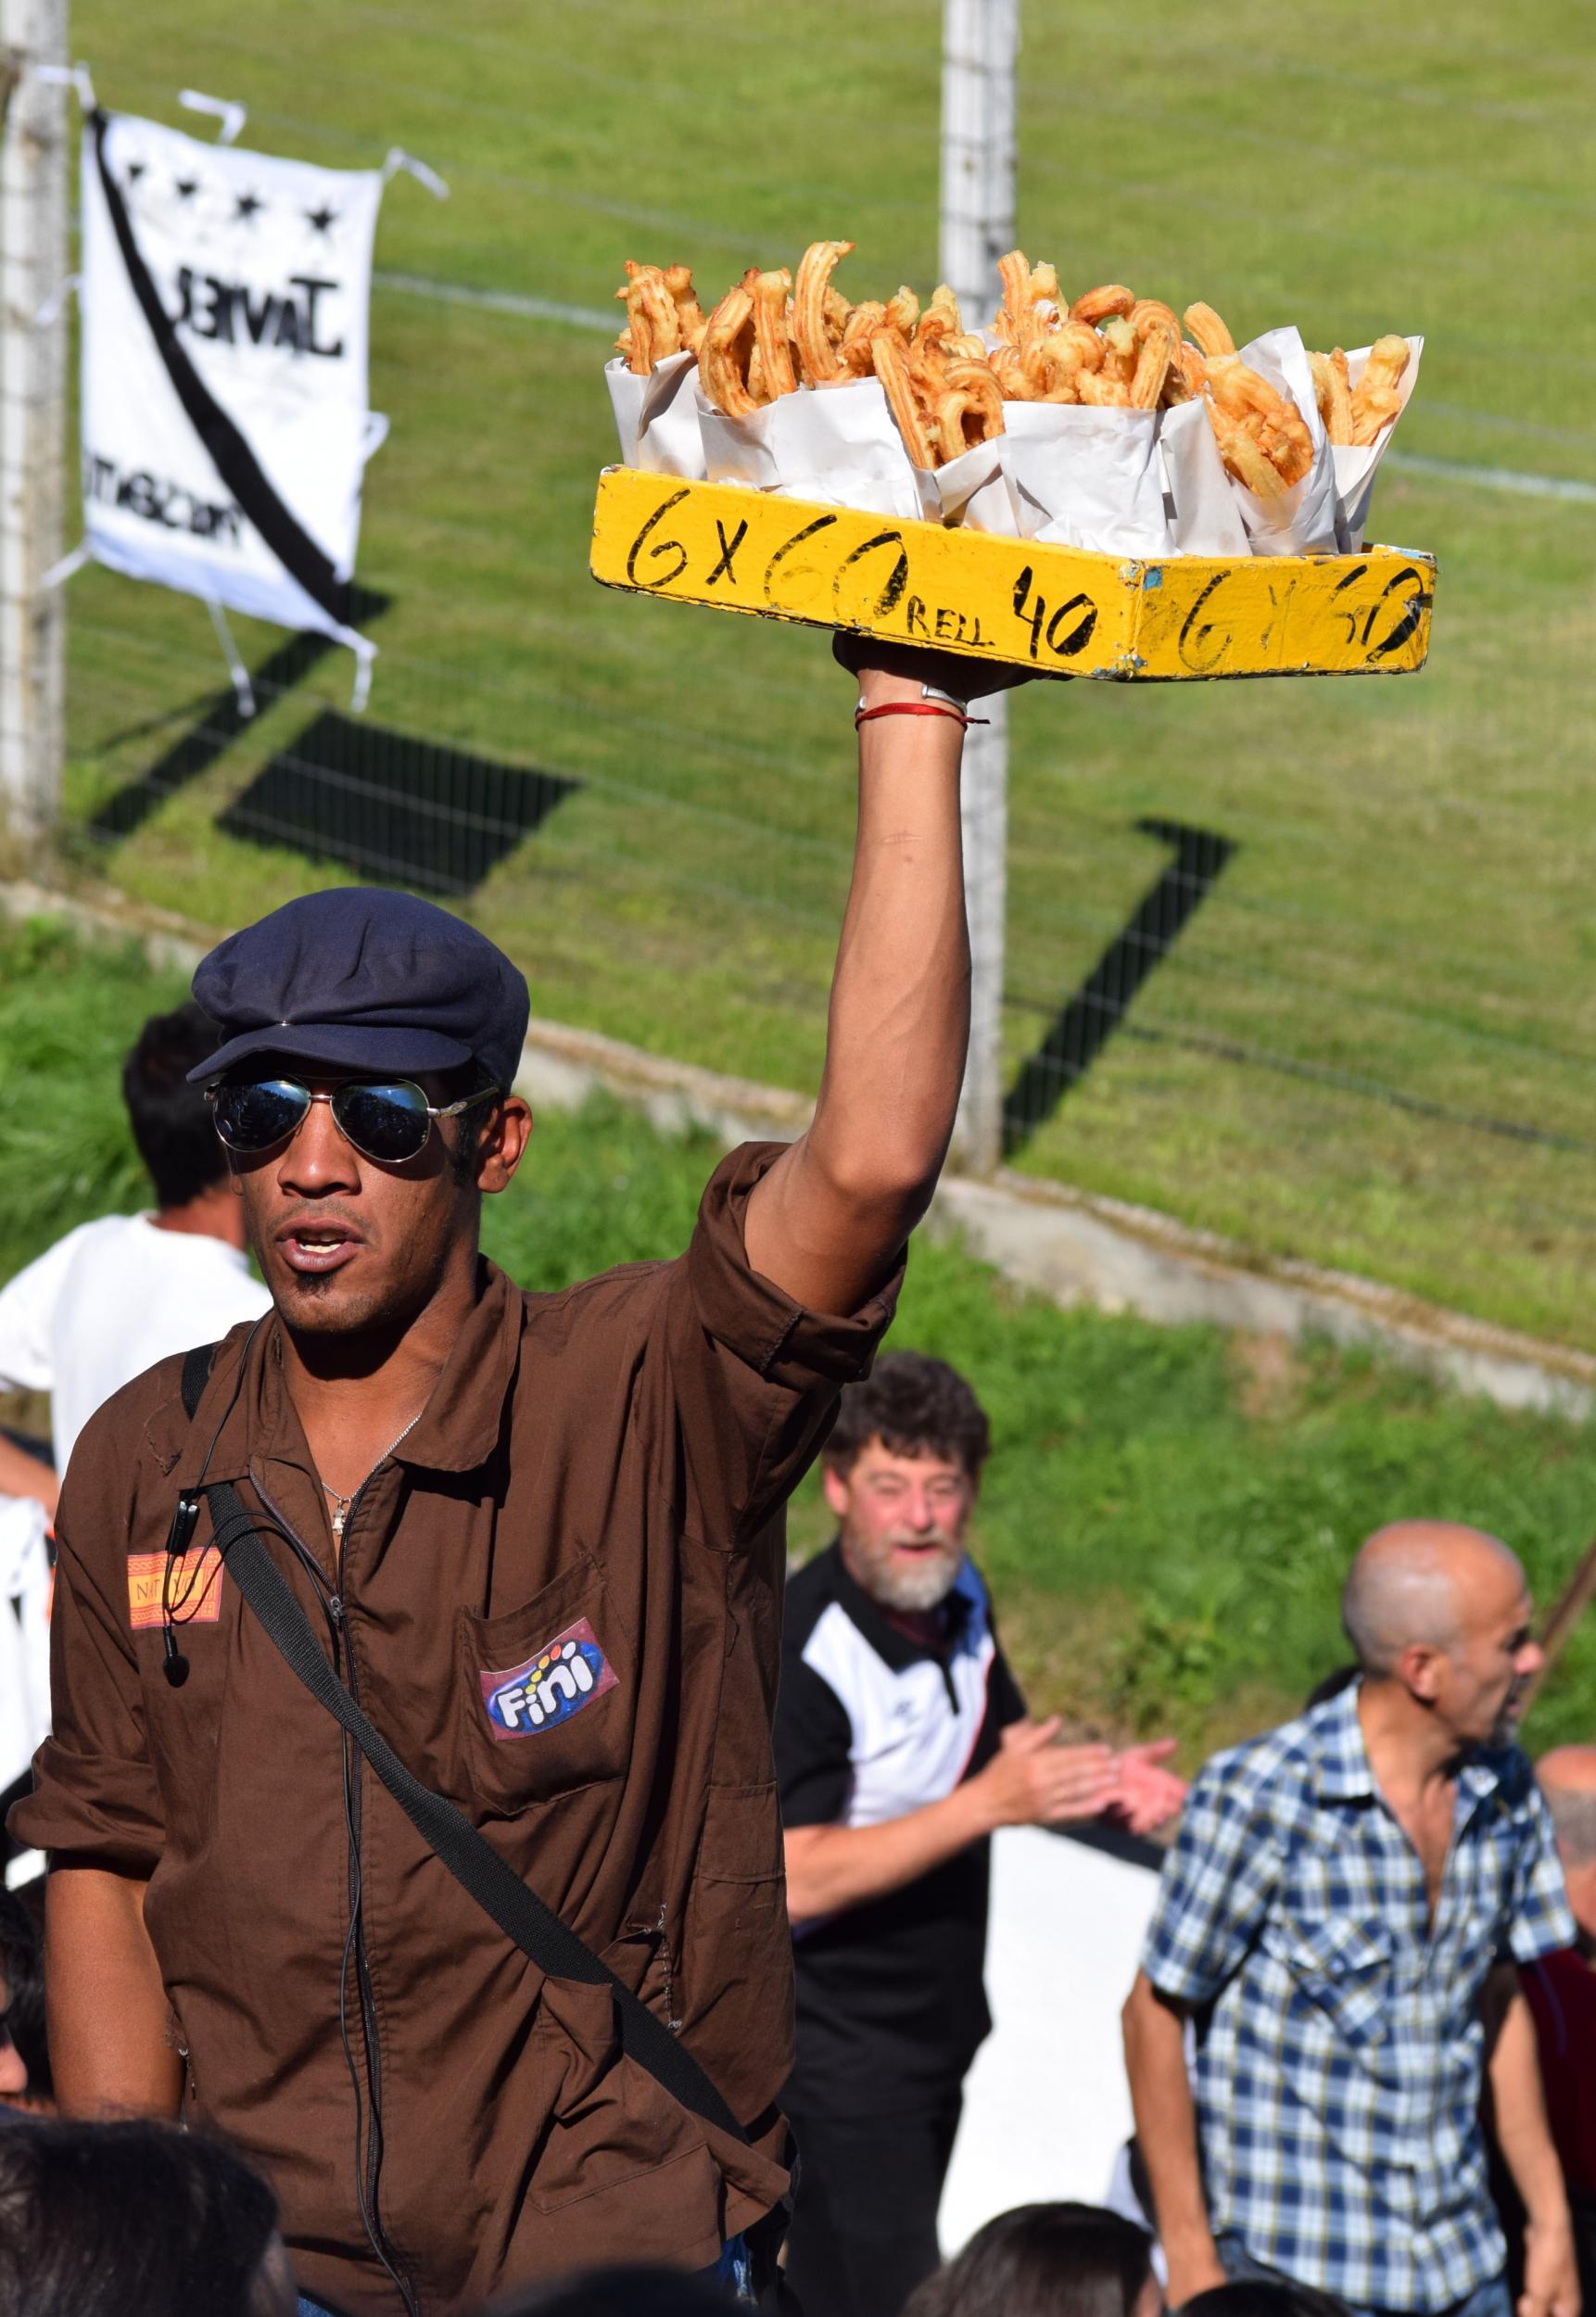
x,y
1376,1045
1166,1523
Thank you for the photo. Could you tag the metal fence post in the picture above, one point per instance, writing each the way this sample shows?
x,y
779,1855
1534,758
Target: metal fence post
x,y
34,164
980,39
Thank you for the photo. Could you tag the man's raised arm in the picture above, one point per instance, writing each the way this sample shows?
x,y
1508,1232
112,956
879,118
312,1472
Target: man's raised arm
x,y
827,1222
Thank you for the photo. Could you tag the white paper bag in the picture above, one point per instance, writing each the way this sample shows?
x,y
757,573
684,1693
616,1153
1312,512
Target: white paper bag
x,y
835,444
656,417
970,491
1355,469
1305,521
1083,477
1200,497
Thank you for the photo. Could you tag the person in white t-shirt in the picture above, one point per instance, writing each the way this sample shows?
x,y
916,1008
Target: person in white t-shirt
x,y
117,1295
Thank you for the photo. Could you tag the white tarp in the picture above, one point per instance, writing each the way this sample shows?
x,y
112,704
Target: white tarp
x,y
225,426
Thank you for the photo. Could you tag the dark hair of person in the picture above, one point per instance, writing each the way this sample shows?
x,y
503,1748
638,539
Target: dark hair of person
x,y
620,2292
170,1119
1043,2261
914,1406
1330,1686
128,2220
465,1147
1264,2297
22,1969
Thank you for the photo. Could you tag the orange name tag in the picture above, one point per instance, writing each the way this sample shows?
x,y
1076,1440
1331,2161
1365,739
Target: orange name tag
x,y
195,1592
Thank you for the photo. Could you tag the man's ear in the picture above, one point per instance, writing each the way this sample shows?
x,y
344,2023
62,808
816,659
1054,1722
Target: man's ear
x,y
504,1141
1419,1668
837,1493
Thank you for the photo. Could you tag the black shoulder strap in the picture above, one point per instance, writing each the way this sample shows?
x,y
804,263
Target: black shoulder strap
x,y
474,1863
196,1365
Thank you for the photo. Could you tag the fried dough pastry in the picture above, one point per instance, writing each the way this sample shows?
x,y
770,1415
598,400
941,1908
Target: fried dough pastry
x,y
971,411
891,367
817,349
1250,416
1333,394
727,350
1156,340
1374,398
653,327
1246,456
688,313
1096,305
854,347
1204,326
770,339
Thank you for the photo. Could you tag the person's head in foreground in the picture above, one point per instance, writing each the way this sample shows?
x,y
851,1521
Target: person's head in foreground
x,y
1438,1614
24,2052
1263,2297
1046,2261
170,1118
619,2292
1567,1778
901,1474
134,2219
361,1089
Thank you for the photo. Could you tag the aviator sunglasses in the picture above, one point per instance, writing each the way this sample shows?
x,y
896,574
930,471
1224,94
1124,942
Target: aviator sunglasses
x,y
389,1122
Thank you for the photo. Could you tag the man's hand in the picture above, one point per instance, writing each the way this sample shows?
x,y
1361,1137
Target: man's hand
x,y
1034,1781
1144,1793
1550,2270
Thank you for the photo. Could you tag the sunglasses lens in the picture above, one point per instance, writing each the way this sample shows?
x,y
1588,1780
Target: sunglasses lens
x,y
389,1123
254,1117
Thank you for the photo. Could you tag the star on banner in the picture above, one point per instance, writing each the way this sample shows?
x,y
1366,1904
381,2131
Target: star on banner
x,y
245,206
186,187
324,219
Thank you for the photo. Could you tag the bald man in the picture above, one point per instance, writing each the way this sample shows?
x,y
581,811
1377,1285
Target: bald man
x,y
1342,1918
1561,1992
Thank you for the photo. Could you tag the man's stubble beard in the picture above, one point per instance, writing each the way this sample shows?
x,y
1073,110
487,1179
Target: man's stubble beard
x,y
915,1588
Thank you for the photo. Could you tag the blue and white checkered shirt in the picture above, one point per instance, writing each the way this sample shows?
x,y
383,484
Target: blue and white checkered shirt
x,y
1339,2039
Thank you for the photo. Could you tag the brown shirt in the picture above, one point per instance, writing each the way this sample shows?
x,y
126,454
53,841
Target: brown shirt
x,y
605,1468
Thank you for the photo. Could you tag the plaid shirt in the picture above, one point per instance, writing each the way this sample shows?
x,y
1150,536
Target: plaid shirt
x,y
1339,2040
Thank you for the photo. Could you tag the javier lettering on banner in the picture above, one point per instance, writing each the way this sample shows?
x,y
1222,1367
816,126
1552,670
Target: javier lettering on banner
x,y
225,426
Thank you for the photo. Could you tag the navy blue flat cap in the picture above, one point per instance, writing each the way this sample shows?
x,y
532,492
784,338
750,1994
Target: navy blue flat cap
x,y
362,979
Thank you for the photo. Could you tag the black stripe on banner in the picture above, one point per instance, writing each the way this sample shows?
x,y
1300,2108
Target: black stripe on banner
x,y
235,462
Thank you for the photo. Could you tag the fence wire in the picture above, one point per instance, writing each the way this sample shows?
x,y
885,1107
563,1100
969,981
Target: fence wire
x,y
1295,964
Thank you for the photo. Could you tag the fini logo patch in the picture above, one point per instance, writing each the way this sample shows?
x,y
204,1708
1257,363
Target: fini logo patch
x,y
565,1676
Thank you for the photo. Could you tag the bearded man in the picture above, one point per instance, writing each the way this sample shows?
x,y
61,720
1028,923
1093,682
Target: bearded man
x,y
902,1742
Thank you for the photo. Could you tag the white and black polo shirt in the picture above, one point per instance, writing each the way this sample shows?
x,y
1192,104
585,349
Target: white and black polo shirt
x,y
869,1726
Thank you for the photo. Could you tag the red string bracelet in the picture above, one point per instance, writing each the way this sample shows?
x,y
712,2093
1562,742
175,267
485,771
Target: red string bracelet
x,y
915,708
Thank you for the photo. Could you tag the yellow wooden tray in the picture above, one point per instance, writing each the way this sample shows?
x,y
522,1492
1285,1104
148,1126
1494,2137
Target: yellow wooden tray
x,y
1058,609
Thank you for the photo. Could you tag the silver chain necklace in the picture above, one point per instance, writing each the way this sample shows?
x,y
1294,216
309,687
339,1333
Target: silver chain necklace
x,y
341,1504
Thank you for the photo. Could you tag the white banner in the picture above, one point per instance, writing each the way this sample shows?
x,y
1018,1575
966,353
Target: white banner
x,y
226,319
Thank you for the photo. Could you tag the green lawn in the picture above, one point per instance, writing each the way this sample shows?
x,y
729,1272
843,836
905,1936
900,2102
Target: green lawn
x,y
1166,1522
1392,980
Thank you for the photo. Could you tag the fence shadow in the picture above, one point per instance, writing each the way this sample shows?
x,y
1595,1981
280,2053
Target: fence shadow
x,y
1087,1020
393,807
221,721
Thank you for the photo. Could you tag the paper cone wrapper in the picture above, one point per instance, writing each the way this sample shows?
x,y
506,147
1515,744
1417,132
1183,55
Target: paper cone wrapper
x,y
657,417
1306,521
1082,478
835,444
970,491
1355,470
1199,499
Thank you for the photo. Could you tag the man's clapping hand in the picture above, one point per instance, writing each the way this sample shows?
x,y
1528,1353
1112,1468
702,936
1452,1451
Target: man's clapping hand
x,y
1144,1793
1035,1782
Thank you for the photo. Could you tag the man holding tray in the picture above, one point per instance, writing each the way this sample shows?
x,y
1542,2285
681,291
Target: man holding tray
x,y
533,1546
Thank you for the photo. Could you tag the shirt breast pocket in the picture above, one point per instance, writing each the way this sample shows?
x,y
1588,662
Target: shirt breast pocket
x,y
546,1693
1344,1969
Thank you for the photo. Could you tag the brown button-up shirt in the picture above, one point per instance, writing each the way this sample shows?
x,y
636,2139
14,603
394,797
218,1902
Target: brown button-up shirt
x,y
559,1600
